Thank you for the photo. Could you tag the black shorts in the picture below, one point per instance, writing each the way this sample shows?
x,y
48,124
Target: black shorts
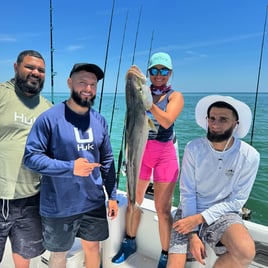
x,y
21,222
59,233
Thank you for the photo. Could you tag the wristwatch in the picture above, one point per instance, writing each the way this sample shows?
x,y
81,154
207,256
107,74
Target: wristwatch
x,y
191,234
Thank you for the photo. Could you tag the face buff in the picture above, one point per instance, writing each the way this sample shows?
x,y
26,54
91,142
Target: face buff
x,y
160,90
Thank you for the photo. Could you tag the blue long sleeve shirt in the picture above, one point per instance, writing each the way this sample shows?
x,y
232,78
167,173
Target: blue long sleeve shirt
x,y
58,137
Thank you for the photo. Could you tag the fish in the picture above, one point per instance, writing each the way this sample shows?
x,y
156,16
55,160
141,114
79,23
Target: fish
x,y
137,126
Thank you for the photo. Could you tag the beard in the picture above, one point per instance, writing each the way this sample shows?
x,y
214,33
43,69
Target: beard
x,y
82,102
27,87
214,137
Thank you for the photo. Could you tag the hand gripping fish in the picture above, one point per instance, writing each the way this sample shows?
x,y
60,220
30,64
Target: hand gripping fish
x,y
138,101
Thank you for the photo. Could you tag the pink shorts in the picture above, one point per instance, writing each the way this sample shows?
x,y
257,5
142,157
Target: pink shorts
x,y
159,159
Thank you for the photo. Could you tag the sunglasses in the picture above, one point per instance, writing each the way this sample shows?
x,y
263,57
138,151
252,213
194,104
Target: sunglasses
x,y
163,71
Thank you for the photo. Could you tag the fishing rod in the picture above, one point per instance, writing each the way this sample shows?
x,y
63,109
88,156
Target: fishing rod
x,y
258,80
136,38
52,73
150,51
106,56
118,72
120,157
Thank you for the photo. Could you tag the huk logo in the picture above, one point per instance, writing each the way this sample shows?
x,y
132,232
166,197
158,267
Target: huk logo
x,y
22,119
83,143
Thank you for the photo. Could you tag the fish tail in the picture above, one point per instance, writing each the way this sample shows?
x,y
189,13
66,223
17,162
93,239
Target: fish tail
x,y
132,221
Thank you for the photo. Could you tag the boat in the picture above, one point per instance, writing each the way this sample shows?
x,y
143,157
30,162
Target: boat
x,y
148,243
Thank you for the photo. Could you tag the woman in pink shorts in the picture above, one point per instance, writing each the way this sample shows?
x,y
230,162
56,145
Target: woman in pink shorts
x,y
159,160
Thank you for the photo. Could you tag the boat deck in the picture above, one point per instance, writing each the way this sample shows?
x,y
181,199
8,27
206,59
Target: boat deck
x,y
75,259
148,244
137,260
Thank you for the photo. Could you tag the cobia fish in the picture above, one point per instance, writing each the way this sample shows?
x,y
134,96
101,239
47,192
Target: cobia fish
x,y
138,101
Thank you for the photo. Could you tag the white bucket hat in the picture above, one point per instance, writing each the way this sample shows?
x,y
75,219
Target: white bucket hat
x,y
244,113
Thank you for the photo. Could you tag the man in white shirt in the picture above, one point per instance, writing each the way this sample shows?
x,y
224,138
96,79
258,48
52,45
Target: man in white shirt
x,y
217,175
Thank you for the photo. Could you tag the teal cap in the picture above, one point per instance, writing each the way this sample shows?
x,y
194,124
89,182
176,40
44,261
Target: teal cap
x,y
160,58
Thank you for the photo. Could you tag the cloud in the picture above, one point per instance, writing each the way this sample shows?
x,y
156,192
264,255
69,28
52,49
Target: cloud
x,y
221,41
210,43
6,38
74,47
191,53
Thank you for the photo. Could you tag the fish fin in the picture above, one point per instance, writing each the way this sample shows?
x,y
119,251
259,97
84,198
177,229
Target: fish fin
x,y
133,218
151,125
147,97
137,206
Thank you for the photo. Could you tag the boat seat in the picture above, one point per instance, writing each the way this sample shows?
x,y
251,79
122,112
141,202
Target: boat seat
x,y
260,260
261,256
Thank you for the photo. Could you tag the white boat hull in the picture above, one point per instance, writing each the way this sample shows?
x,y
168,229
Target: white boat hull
x,y
148,243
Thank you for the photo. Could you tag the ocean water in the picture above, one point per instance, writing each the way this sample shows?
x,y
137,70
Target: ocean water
x,y
113,108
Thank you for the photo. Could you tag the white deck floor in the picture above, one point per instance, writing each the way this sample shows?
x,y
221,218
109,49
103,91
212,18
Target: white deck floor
x,y
147,242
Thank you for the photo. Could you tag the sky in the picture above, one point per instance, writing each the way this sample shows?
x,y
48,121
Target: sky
x,y
215,45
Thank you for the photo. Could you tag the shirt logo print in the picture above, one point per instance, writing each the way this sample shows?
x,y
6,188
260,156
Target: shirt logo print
x,y
84,144
79,139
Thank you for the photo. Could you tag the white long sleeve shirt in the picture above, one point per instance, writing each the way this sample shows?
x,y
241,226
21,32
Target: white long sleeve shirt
x,y
214,183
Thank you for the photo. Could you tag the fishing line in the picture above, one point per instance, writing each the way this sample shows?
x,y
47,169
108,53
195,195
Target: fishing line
x,y
258,80
106,56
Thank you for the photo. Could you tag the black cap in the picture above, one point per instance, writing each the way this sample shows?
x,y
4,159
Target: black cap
x,y
92,68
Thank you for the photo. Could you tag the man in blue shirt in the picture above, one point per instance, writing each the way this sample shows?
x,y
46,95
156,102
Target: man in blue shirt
x,y
70,146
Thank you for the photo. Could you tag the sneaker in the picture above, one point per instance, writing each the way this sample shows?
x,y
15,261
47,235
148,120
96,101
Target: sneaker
x,y
128,247
162,261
